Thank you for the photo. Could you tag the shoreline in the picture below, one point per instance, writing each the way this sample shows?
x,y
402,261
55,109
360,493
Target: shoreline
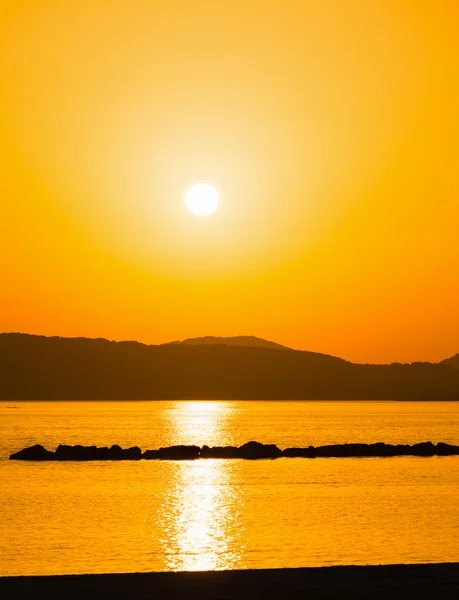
x,y
420,581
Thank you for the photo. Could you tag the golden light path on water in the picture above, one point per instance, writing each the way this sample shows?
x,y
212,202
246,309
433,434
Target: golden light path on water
x,y
199,515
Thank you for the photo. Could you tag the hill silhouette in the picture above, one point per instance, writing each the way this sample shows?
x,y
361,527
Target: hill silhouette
x,y
247,341
452,362
52,368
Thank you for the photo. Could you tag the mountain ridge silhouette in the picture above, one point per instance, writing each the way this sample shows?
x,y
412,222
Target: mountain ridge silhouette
x,y
453,361
249,341
56,368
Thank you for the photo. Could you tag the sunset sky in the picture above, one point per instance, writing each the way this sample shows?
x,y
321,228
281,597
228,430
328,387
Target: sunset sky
x,y
329,127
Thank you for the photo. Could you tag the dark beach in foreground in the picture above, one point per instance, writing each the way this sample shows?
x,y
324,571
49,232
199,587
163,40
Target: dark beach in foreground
x,y
389,581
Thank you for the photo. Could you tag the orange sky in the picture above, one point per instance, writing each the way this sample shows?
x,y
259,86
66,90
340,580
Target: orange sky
x,y
331,129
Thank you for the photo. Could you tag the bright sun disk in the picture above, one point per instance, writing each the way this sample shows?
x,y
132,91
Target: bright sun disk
x,y
202,199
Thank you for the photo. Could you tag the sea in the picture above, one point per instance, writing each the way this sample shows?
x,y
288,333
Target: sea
x,y
116,517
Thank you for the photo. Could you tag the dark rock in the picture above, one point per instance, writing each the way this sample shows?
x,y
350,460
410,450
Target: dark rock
x,y
344,451
36,452
423,449
88,453
64,452
300,452
115,452
364,450
251,450
151,455
447,449
256,450
81,453
381,449
102,453
220,452
179,453
402,450
134,453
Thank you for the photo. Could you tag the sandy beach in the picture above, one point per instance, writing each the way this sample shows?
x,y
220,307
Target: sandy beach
x,y
391,581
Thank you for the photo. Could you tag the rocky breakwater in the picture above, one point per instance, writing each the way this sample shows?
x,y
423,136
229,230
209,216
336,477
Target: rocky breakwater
x,y
78,453
378,450
249,451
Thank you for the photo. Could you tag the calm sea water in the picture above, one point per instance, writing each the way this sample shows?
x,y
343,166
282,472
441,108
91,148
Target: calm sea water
x,y
225,514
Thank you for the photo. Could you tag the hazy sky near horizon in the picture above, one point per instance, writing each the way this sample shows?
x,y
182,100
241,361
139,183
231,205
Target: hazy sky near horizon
x,y
330,128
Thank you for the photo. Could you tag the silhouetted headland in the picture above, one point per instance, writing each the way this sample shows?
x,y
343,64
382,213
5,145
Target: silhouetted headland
x,y
250,451
397,582
241,368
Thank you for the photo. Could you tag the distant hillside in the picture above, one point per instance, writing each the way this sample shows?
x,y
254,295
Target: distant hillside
x,y
452,362
42,368
247,341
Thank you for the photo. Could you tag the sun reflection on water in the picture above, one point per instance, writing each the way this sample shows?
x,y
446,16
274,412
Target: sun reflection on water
x,y
199,515
203,406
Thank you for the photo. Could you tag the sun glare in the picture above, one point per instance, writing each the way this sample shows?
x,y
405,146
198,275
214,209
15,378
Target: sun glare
x,y
202,199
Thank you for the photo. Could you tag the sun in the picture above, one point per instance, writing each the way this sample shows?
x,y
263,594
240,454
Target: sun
x,y
202,199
